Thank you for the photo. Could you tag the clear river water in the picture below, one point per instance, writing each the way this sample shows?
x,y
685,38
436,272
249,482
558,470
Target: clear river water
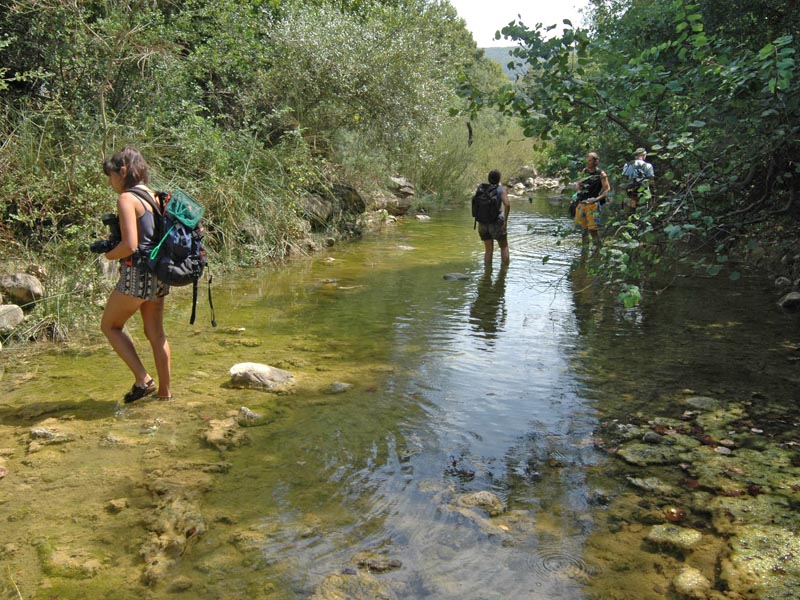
x,y
506,381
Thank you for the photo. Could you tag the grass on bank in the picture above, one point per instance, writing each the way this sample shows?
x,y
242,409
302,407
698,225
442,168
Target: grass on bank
x,y
253,196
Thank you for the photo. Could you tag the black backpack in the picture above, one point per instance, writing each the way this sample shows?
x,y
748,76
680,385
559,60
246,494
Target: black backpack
x,y
179,256
486,203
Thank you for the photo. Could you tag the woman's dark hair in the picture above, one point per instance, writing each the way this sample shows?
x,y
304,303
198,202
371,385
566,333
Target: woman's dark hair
x,y
494,176
136,165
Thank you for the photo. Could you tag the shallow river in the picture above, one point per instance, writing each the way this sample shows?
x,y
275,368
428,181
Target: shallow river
x,y
503,382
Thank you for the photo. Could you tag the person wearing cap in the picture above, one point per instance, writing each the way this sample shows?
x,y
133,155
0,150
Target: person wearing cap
x,y
641,177
593,189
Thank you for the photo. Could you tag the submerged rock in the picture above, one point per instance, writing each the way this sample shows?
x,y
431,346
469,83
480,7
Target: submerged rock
x,y
704,403
484,500
353,585
68,563
224,434
691,583
641,454
652,485
455,277
763,560
681,538
376,563
248,418
337,387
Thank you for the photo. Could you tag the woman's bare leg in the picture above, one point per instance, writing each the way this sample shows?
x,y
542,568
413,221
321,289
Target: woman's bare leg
x,y
153,319
119,309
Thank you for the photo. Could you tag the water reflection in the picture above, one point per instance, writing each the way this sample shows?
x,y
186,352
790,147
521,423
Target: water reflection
x,y
487,314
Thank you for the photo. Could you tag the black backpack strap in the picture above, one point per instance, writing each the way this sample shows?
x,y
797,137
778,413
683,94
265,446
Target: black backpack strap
x,y
194,302
210,302
142,195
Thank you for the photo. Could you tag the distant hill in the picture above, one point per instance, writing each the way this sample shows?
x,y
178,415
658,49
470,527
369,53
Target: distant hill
x,y
502,57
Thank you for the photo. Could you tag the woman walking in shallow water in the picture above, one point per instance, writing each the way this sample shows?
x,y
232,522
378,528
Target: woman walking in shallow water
x,y
137,288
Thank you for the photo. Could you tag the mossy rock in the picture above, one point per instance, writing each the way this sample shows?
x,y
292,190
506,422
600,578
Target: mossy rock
x,y
69,564
637,453
770,470
730,514
673,536
704,403
718,423
764,560
355,585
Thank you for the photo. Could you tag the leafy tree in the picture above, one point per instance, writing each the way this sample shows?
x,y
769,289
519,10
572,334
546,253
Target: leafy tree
x,y
720,111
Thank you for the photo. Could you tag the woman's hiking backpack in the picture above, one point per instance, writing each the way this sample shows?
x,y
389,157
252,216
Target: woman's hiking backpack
x,y
179,256
486,203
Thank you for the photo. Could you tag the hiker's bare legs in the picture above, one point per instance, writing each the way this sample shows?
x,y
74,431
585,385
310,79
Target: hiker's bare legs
x,y
595,237
153,320
488,251
505,257
119,309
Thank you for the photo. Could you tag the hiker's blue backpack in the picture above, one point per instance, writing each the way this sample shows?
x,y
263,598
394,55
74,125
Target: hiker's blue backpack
x,y
179,256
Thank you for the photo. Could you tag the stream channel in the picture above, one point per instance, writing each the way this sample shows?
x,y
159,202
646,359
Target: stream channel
x,y
530,382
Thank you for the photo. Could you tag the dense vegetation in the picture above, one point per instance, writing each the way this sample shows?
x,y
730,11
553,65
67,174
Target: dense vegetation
x,y
253,106
710,89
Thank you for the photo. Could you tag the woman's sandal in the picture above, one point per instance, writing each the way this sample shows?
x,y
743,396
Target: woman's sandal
x,y
140,391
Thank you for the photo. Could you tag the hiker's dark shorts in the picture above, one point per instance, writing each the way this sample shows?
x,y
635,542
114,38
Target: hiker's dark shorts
x,y
135,280
493,231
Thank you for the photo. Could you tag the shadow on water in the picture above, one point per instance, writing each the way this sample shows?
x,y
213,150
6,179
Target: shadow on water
x,y
503,382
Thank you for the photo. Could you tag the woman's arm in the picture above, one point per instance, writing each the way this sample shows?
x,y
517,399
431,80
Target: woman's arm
x,y
126,211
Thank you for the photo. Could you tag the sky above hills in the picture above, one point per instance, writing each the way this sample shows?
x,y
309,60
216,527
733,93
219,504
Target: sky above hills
x,y
484,17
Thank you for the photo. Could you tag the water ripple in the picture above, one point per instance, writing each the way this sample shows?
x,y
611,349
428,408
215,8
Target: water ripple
x,y
552,559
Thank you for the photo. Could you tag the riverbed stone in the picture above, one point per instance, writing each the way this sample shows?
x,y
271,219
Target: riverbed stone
x,y
224,434
337,387
673,536
641,454
11,315
653,485
248,418
704,403
717,423
49,432
763,562
651,437
353,585
58,561
730,513
375,562
455,277
260,376
117,505
691,584
484,500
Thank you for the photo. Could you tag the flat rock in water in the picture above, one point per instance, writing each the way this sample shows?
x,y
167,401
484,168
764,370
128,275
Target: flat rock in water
x,y
682,538
704,403
456,277
258,376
